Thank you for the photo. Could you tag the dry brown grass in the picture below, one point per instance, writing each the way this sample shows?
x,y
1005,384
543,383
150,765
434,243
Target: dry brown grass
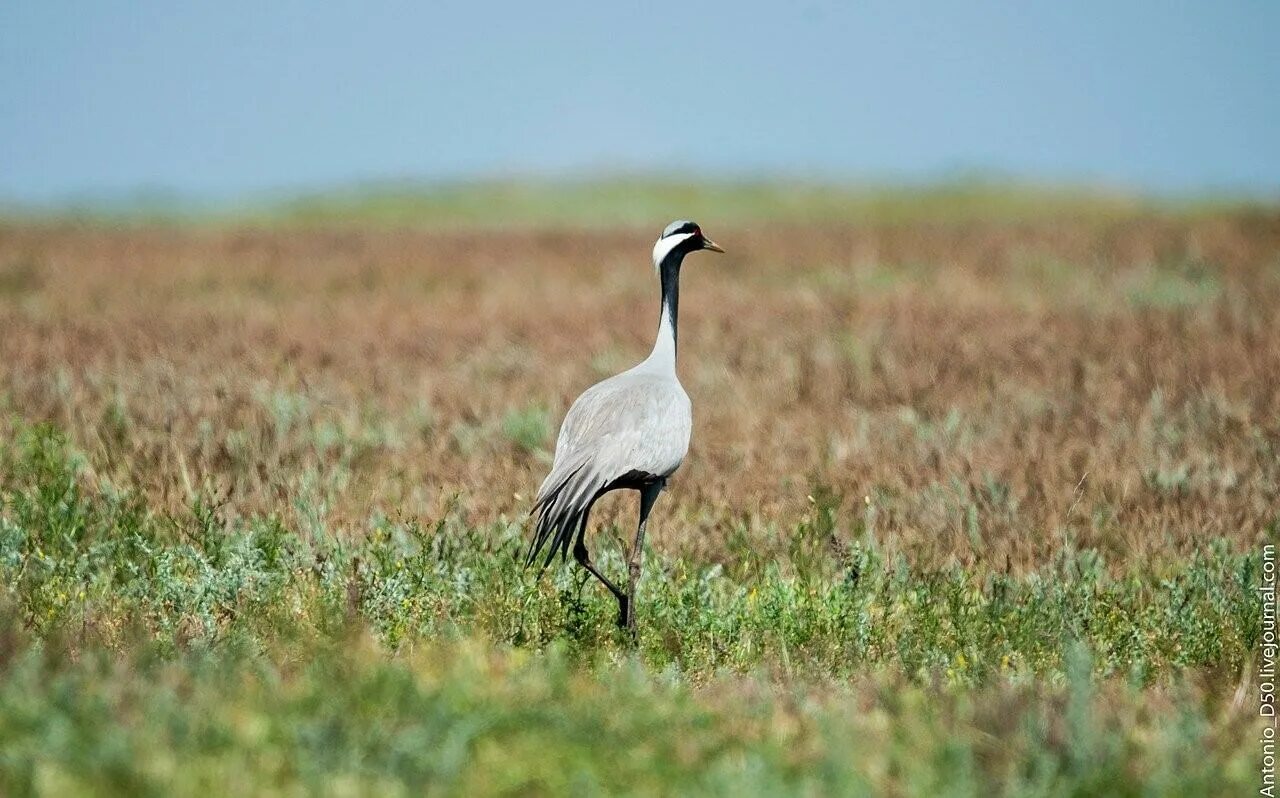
x,y
983,391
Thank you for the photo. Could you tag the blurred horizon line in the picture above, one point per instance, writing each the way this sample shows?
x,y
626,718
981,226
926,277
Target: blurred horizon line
x,y
155,197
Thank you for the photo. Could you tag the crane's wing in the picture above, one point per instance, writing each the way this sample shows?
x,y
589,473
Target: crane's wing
x,y
633,426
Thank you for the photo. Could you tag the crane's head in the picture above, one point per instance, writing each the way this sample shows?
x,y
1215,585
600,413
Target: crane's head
x,y
681,237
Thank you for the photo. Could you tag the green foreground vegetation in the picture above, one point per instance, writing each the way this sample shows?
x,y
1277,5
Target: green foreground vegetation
x,y
142,653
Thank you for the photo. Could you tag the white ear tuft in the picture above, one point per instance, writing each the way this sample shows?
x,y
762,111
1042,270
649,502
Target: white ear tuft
x,y
664,246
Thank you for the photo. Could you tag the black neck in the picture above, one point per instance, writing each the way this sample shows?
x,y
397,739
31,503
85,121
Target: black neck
x,y
669,271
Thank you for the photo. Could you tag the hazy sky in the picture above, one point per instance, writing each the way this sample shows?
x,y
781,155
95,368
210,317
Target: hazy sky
x,y
219,99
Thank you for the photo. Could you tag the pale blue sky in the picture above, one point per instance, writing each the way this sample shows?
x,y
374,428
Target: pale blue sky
x,y
232,98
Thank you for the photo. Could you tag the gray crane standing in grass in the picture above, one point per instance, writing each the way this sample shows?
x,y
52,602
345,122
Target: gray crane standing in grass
x,y
629,432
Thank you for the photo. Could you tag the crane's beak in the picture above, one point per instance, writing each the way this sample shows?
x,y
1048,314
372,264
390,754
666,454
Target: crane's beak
x,y
711,245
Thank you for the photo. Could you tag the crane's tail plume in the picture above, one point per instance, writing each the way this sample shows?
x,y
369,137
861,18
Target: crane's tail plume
x,y
562,506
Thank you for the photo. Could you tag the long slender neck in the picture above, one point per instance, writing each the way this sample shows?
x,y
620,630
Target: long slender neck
x,y
664,348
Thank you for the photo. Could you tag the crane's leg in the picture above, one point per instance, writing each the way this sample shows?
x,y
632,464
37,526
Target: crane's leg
x,y
627,614
584,559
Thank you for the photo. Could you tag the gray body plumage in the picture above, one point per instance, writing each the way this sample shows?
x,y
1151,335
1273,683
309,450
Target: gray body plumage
x,y
629,430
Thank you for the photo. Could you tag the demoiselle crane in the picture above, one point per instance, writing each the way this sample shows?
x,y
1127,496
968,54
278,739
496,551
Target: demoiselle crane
x,y
629,432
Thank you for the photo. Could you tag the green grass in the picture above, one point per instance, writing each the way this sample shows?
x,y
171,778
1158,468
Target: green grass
x,y
146,653
637,201
336,715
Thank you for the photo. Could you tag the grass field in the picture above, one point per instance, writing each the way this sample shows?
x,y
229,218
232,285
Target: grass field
x,y
976,503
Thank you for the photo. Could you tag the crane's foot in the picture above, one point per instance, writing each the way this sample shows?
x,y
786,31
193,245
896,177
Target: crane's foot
x,y
625,618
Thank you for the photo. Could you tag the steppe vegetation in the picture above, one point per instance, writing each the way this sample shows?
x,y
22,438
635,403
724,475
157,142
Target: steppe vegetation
x,y
974,506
